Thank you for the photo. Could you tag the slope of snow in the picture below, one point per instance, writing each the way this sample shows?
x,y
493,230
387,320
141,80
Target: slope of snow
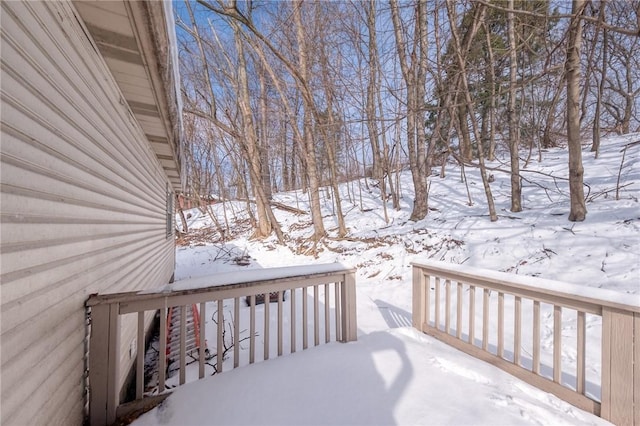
x,y
437,384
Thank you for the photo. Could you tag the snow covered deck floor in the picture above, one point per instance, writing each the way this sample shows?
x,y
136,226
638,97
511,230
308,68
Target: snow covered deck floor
x,y
399,377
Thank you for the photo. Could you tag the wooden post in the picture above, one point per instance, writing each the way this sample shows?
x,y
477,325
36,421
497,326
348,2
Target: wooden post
x,y
620,383
104,364
219,337
349,323
140,352
419,314
203,339
636,369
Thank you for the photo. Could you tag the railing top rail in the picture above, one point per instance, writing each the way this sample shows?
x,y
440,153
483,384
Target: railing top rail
x,y
227,281
596,297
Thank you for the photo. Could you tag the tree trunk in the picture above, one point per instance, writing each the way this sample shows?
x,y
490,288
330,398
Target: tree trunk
x,y
595,147
463,125
183,220
547,142
249,140
576,171
514,126
465,89
372,88
263,140
492,97
410,75
307,133
421,84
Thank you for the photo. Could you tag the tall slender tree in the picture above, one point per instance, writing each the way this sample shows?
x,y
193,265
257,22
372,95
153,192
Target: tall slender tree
x,y
412,60
514,125
572,66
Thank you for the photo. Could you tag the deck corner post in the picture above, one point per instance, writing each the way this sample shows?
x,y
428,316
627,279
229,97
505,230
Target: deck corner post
x,y
349,322
636,369
418,316
620,348
104,364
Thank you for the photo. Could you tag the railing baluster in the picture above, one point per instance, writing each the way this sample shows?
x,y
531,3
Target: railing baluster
x,y
267,303
293,319
557,343
472,314
305,324
517,332
316,317
581,349
427,301
327,319
252,329
447,308
162,344
536,337
236,332
459,312
437,296
203,339
140,357
220,335
183,344
485,319
337,291
280,296
501,325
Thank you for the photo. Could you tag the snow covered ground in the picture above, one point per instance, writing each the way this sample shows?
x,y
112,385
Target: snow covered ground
x,y
393,377
399,376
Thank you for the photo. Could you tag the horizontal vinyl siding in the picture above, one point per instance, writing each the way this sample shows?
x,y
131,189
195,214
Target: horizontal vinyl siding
x,y
82,208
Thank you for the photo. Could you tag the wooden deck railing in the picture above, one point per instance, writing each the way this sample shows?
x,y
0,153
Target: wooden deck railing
x,y
496,317
330,287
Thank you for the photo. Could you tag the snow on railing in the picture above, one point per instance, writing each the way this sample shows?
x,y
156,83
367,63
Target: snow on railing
x,y
325,291
581,344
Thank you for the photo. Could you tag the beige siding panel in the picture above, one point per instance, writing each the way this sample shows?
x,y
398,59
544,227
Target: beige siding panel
x,y
102,11
64,140
82,206
52,341
23,268
68,84
64,409
46,378
109,6
162,149
133,74
140,92
82,184
62,279
44,236
24,332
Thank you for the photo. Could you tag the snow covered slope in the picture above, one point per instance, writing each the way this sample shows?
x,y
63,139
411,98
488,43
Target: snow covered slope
x,y
428,382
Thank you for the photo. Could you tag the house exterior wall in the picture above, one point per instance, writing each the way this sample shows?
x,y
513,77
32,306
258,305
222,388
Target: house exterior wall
x,y
83,204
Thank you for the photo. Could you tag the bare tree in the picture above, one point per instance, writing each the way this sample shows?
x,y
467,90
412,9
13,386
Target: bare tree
x,y
595,147
372,88
412,63
465,90
514,125
576,171
244,132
